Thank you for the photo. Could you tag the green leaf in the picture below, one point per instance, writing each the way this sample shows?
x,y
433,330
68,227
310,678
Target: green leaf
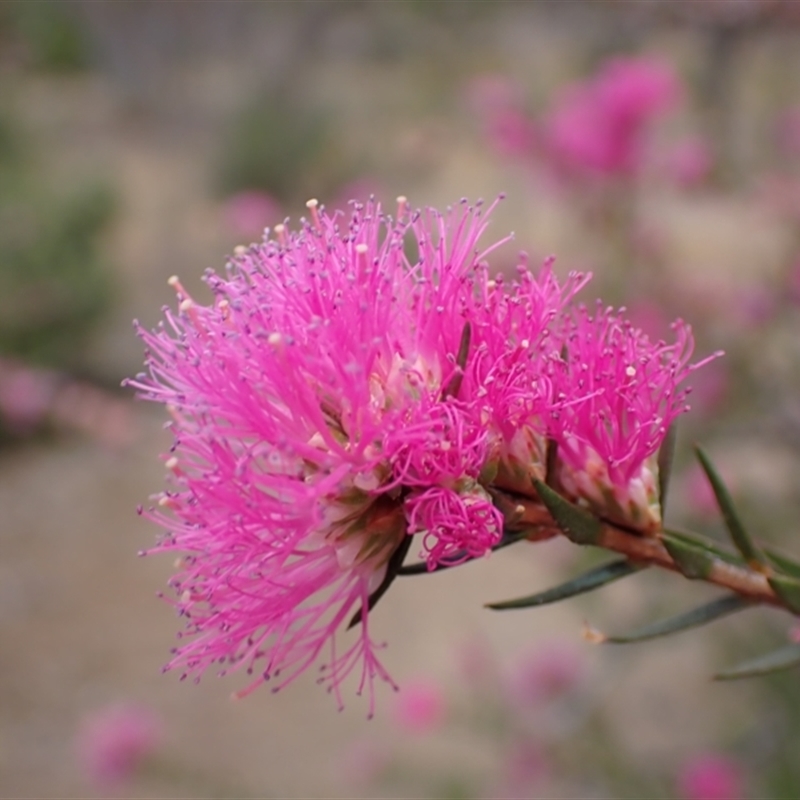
x,y
586,582
578,524
783,658
694,562
709,545
744,544
788,589
666,454
722,606
783,563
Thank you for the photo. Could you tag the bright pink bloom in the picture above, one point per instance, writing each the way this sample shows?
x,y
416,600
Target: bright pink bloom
x,y
617,392
598,127
420,706
710,777
319,420
114,741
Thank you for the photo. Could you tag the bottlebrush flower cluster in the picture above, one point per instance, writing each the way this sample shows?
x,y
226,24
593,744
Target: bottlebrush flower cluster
x,y
363,380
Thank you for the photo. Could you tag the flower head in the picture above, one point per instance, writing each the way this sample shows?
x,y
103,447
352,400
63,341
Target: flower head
x,y
114,740
324,408
597,127
617,392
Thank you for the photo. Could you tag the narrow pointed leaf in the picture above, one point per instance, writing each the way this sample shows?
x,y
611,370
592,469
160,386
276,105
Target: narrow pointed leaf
x,y
777,660
722,606
694,562
666,454
783,563
578,524
788,589
706,544
739,535
586,582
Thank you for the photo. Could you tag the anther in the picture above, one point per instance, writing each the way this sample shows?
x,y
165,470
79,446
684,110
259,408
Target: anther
x,y
240,250
402,205
312,205
280,232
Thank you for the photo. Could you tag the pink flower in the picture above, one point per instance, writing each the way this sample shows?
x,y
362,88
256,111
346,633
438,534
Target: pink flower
x,y
114,741
690,162
597,127
420,706
710,777
318,421
544,675
337,398
498,103
619,393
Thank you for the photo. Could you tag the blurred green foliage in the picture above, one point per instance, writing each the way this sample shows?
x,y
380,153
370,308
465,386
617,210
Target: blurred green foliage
x,y
53,286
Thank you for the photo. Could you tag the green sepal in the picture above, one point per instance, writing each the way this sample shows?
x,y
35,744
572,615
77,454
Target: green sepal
x,y
666,454
578,524
783,563
783,658
694,562
788,589
586,582
722,606
744,544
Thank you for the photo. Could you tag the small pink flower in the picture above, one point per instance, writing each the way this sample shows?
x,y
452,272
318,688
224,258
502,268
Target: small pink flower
x,y
26,394
544,674
787,133
507,127
114,741
320,418
617,394
598,127
690,162
710,777
420,706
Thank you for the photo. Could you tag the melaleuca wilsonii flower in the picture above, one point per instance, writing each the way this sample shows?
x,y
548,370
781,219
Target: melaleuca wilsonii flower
x,y
616,393
353,384
318,422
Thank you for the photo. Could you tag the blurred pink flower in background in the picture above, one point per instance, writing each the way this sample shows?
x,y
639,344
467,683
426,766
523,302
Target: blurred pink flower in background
x,y
420,706
26,394
248,213
710,388
545,674
498,103
524,766
598,126
787,132
690,162
363,763
697,492
710,777
114,741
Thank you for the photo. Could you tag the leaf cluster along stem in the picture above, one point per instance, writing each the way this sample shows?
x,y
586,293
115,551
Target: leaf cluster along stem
x,y
651,551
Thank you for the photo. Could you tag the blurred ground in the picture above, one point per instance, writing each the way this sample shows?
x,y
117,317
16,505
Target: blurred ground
x,y
79,620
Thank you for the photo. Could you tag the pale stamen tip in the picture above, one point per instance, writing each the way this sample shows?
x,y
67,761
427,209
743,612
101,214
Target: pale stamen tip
x,y
593,635
171,463
239,250
186,304
173,281
312,203
362,248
